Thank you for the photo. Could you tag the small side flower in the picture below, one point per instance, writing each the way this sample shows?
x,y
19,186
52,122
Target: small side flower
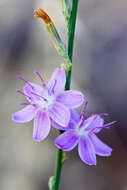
x,y
82,131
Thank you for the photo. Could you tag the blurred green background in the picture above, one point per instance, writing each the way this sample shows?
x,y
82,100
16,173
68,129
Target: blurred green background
x,y
99,70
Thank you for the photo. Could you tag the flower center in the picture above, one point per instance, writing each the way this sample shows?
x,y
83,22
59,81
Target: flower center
x,y
46,102
80,130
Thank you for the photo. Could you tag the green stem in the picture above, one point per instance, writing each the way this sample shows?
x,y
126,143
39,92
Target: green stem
x,y
58,169
72,28
67,86
71,40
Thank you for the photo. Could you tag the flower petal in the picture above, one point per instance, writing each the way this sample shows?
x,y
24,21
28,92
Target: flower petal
x,y
73,120
41,126
72,123
100,148
59,78
71,98
70,126
67,141
57,126
28,90
60,114
86,151
93,122
24,115
74,115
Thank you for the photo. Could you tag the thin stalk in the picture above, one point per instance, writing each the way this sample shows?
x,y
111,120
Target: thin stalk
x,y
72,28
67,86
58,169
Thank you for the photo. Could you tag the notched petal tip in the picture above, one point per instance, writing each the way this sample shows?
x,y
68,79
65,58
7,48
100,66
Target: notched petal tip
x,y
40,13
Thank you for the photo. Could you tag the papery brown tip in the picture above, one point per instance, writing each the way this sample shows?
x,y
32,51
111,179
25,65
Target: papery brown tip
x,y
40,13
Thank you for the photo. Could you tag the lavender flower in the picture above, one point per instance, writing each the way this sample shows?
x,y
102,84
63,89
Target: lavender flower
x,y
82,130
46,105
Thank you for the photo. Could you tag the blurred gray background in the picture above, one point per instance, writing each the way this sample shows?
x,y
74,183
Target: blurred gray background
x,y
99,70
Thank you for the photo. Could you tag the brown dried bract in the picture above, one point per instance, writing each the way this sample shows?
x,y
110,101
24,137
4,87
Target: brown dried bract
x,y
39,13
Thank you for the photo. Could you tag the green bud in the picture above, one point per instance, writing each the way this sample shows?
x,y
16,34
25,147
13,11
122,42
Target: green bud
x,y
51,183
59,45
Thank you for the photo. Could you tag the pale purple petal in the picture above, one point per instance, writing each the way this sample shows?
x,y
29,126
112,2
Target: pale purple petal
x,y
71,98
60,114
41,126
67,141
86,151
100,148
98,122
57,126
74,115
36,89
58,79
74,119
70,126
93,122
24,115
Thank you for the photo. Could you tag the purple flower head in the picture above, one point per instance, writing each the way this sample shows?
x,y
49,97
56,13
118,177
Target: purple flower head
x,y
46,105
82,130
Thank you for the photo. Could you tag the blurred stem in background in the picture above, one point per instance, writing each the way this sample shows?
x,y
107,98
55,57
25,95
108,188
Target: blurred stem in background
x,y
71,31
